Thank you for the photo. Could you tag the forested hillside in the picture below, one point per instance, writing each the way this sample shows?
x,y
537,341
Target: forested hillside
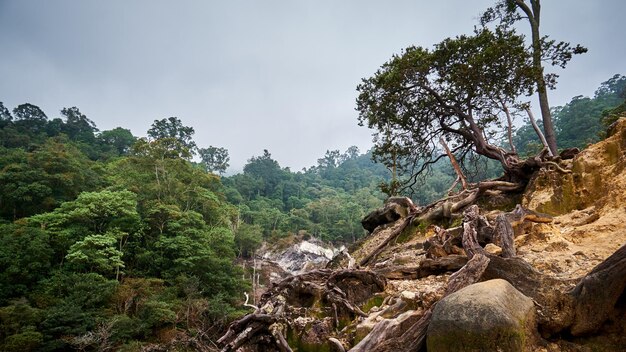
x,y
111,240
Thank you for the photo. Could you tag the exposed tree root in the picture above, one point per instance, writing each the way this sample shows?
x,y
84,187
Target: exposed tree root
x,y
342,290
393,336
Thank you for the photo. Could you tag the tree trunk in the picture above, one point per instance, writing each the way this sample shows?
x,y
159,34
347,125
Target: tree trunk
x,y
454,163
542,138
534,16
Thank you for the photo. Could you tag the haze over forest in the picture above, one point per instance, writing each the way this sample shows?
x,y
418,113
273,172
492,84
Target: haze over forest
x,y
250,76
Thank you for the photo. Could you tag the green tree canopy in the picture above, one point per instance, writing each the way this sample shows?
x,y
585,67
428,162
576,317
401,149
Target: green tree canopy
x,y
454,91
173,128
214,159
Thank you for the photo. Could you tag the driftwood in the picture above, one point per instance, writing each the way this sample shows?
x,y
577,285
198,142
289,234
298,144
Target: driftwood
x,y
580,311
504,236
394,234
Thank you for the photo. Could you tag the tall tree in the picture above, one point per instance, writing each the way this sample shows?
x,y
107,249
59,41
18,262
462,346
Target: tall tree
x,y
5,115
214,159
506,11
30,118
120,139
453,91
77,126
173,127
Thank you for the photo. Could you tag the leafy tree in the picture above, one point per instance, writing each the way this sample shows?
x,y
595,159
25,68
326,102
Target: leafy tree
x,y
248,238
25,258
331,160
5,116
109,217
543,49
173,128
214,159
32,182
78,126
266,170
97,253
119,139
29,112
350,154
30,119
454,92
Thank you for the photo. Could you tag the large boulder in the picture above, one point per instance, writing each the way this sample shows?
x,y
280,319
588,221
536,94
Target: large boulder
x,y
487,316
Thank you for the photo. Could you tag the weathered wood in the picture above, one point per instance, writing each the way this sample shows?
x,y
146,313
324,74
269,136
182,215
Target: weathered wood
x,y
389,337
470,236
504,237
542,138
344,290
337,345
455,164
597,294
427,267
405,222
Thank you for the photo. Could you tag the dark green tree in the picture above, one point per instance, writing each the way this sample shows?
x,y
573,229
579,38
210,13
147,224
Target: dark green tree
x,y
5,116
173,128
119,140
30,119
77,126
214,159
454,92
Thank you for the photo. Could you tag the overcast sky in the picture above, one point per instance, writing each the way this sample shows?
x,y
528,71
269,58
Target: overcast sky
x,y
253,75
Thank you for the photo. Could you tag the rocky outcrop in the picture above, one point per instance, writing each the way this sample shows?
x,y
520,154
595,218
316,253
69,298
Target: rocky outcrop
x,y
300,257
488,316
598,178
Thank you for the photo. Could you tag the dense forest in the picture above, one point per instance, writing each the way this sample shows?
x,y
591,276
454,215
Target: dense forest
x,y
111,240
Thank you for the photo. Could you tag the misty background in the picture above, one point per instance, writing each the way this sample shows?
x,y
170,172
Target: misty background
x,y
254,75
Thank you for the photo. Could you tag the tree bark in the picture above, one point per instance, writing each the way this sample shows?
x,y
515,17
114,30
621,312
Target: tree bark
x,y
542,138
504,236
533,14
509,127
454,163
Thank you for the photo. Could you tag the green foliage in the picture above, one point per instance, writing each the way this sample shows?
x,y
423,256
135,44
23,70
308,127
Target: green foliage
x,y
327,200
214,159
25,258
96,253
32,182
454,91
117,141
173,129
248,238
581,121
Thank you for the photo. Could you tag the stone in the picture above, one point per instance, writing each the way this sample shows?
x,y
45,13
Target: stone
x,y
487,316
493,249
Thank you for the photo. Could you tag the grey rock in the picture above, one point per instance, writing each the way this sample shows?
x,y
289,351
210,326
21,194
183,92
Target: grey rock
x,y
487,316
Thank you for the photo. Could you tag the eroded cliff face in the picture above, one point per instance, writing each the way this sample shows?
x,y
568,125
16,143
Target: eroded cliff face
x,y
589,206
598,179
